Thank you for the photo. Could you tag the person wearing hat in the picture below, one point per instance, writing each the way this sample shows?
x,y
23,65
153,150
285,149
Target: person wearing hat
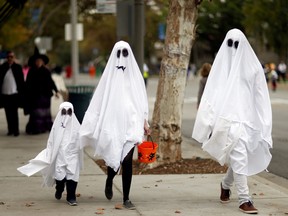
x,y
39,88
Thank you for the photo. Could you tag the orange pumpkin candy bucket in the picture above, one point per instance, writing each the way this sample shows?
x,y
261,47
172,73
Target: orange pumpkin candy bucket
x,y
147,151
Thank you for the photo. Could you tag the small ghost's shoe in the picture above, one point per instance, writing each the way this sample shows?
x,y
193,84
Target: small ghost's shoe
x,y
129,205
72,202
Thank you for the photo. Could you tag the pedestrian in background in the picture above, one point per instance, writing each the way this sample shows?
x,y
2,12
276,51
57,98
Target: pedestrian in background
x,y
204,72
145,74
266,70
25,70
59,82
282,67
234,119
12,87
60,162
273,76
117,117
39,88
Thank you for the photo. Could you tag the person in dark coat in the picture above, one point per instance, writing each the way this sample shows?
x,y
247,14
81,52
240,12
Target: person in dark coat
x,y
11,87
39,88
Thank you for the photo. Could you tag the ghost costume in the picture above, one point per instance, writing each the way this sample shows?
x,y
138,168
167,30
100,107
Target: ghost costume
x,y
62,158
234,119
114,121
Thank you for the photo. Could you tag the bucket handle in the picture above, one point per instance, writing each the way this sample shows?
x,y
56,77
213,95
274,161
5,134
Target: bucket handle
x,y
149,136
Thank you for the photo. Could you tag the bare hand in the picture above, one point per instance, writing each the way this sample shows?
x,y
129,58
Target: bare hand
x,y
147,130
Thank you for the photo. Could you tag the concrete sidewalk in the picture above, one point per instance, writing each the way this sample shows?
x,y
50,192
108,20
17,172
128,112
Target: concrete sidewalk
x,y
152,194
191,194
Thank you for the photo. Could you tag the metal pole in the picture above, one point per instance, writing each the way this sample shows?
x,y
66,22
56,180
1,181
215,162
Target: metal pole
x,y
74,42
139,33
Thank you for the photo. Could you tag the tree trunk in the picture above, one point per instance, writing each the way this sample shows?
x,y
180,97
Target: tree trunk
x,y
167,116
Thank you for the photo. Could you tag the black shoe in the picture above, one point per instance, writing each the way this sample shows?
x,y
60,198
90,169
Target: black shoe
x,y
129,205
58,195
16,134
72,202
60,185
71,192
9,134
108,191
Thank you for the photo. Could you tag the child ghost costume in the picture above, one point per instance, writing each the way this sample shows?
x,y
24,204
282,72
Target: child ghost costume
x,y
62,159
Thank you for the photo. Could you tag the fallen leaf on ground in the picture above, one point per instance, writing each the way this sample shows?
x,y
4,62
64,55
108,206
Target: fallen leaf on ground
x,y
118,206
29,204
177,212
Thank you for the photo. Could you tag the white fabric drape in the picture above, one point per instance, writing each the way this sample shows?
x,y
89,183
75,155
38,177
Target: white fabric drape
x,y
236,105
115,116
62,157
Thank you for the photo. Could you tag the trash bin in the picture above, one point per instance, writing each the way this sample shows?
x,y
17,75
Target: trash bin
x,y
80,97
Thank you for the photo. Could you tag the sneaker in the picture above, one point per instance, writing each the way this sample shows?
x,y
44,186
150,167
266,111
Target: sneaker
x,y
129,205
248,208
72,202
108,191
58,195
225,195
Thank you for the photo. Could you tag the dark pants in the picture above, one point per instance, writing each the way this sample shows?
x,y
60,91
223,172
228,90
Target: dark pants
x,y
126,175
70,188
11,104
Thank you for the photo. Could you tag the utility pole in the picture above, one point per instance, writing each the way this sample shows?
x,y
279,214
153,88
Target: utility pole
x,y
139,33
74,42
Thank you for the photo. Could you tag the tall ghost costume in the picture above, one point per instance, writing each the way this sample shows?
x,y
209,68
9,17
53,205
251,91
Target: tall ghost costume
x,y
235,110
234,119
113,122
62,159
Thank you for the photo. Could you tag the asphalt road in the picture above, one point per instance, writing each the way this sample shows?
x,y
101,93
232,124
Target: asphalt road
x,y
279,152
